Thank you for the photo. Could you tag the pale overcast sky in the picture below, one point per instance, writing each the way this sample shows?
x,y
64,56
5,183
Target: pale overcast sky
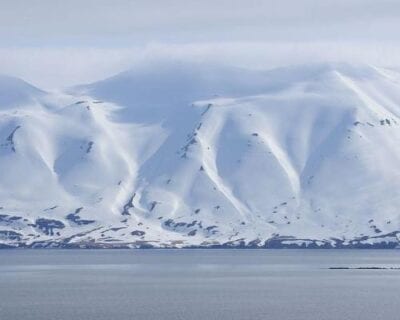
x,y
59,42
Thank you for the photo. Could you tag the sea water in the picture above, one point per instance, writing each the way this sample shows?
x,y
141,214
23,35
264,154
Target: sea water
x,y
199,284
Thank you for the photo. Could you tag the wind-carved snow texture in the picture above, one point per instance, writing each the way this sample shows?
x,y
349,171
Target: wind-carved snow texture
x,y
187,155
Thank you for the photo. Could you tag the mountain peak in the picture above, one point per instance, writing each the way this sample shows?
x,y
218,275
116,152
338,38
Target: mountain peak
x,y
15,91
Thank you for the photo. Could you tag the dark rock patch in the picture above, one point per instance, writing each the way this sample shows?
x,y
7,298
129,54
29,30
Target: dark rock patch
x,y
47,226
75,218
128,205
10,235
138,233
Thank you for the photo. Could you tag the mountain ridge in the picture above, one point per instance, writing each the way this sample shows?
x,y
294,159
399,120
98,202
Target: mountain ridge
x,y
192,155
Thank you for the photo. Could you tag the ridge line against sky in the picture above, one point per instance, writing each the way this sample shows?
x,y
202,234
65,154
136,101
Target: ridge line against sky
x,y
54,43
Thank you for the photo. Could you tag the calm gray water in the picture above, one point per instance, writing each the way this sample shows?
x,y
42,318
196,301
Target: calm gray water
x,y
198,284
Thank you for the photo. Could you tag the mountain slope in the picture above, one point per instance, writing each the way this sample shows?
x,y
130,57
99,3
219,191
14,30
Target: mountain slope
x,y
192,155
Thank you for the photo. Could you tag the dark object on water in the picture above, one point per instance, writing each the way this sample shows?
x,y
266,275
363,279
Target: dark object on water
x,y
364,268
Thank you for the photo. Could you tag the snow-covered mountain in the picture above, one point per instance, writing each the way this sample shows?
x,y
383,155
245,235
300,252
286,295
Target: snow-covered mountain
x,y
180,154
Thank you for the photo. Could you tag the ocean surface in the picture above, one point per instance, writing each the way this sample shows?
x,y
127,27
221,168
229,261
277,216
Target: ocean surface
x,y
199,284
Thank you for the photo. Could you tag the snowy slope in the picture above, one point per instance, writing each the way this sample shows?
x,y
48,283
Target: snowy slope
x,y
180,155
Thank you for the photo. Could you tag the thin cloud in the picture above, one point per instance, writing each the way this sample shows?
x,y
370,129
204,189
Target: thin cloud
x,y
51,68
56,43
